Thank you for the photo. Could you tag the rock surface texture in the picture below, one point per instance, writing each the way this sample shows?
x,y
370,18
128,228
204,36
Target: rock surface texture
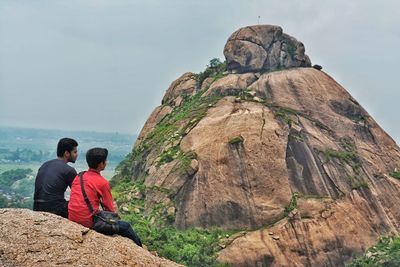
x,y
31,238
288,155
263,48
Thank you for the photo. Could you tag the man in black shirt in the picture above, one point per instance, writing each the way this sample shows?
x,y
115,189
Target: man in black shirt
x,y
53,178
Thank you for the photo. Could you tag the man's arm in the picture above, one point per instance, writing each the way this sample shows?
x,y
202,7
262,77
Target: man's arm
x,y
70,177
106,197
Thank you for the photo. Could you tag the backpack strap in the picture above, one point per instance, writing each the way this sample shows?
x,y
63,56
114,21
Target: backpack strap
x,y
84,193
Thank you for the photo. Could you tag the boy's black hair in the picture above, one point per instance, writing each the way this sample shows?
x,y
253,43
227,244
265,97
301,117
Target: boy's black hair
x,y
95,156
65,144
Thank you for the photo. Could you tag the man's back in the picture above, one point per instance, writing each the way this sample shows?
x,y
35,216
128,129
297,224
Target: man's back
x,y
52,180
97,190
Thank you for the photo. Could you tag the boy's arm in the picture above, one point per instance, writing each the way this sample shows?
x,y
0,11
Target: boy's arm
x,y
106,197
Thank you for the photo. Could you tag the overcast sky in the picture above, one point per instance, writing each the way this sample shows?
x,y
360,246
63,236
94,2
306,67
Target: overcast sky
x,y
104,65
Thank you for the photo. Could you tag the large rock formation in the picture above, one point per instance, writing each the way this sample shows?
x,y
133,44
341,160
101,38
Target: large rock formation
x,y
288,155
31,238
264,48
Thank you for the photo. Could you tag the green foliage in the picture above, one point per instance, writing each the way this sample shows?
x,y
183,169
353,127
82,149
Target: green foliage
x,y
236,140
385,253
284,114
292,204
348,155
294,136
192,247
359,185
169,131
16,188
7,178
215,69
395,174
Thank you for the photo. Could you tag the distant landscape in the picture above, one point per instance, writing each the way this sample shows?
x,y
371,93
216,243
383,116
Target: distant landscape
x,y
23,150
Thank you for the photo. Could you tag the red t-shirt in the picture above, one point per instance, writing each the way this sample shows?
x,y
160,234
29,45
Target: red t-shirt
x,y
97,189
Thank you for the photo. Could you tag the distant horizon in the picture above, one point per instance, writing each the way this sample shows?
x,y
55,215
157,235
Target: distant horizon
x,y
67,130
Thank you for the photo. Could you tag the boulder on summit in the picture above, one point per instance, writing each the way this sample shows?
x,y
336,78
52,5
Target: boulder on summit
x,y
263,48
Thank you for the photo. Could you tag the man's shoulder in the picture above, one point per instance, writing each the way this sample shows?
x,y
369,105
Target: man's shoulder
x,y
99,179
60,165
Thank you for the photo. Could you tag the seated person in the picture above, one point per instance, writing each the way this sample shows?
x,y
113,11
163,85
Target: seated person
x,y
98,192
54,177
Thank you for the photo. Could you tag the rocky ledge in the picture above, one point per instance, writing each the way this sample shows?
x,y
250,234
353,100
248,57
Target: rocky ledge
x,y
31,238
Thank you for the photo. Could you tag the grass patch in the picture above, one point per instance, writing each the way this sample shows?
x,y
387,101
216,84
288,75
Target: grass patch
x,y
348,154
359,185
395,174
236,140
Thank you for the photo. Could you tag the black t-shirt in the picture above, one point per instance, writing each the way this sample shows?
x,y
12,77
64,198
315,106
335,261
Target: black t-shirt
x,y
52,179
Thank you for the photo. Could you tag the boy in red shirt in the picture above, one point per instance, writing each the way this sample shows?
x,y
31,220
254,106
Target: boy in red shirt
x,y
98,192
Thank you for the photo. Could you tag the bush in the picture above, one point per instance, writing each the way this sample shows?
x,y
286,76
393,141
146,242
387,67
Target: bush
x,y
215,69
385,253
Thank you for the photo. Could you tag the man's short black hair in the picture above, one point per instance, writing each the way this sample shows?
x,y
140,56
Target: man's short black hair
x,y
65,144
95,156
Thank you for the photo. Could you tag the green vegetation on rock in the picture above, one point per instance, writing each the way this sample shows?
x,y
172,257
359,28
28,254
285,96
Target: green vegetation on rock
x,y
385,253
348,155
236,140
191,247
215,69
395,174
292,204
168,133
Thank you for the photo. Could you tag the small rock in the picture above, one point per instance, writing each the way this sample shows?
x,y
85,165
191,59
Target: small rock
x,y
258,99
326,214
166,201
238,100
296,127
270,233
369,254
171,211
293,214
178,101
126,209
136,210
154,253
194,164
188,130
317,67
275,237
252,93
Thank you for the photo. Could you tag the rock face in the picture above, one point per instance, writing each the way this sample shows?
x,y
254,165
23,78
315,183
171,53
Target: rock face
x,y
288,155
263,48
31,238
